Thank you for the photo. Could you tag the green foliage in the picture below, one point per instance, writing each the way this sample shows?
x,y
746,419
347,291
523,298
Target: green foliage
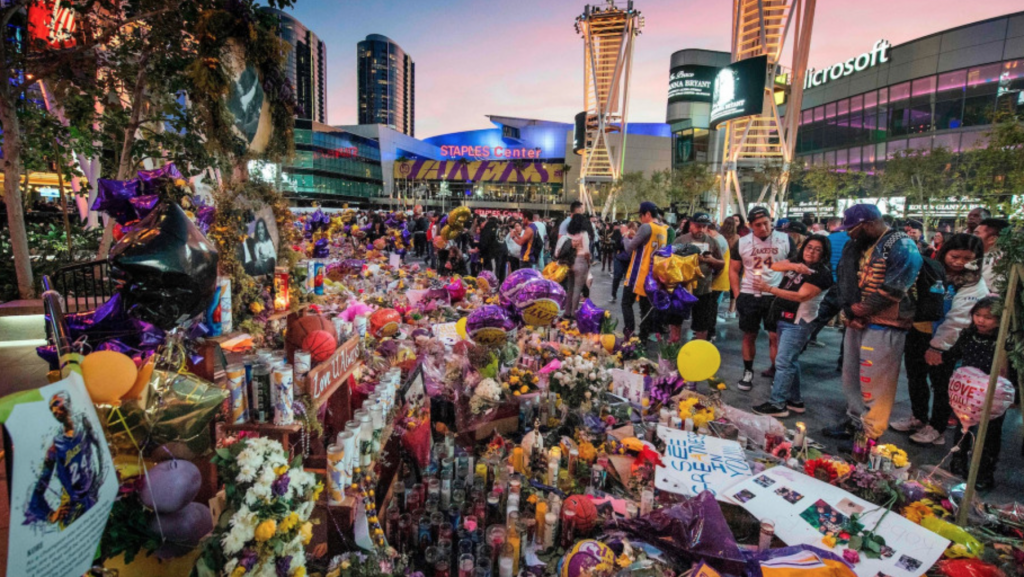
x,y
127,531
689,183
49,251
923,176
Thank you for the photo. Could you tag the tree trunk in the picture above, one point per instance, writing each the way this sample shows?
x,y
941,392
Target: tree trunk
x,y
13,197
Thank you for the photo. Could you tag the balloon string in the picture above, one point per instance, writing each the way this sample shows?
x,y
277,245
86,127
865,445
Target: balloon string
x,y
954,449
121,420
156,514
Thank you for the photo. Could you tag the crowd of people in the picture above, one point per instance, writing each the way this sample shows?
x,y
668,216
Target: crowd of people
x,y
898,299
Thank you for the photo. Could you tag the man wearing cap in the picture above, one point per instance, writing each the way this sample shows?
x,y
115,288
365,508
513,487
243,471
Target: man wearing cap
x,y
641,247
878,267
531,240
712,262
754,256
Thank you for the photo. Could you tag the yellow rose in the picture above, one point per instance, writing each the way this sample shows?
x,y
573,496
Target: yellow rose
x,y
829,541
316,492
307,532
238,572
288,523
300,572
281,470
266,530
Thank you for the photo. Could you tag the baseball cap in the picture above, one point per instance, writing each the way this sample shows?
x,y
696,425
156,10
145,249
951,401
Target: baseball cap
x,y
648,207
757,212
797,227
858,214
701,218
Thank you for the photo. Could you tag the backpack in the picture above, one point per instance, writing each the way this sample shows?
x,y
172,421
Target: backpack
x,y
929,290
566,253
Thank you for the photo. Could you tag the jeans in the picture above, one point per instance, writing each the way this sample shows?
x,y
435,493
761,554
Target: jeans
x,y
918,374
647,322
871,371
792,338
617,276
419,240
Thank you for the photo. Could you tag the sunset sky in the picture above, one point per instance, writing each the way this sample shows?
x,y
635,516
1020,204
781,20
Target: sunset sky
x,y
523,58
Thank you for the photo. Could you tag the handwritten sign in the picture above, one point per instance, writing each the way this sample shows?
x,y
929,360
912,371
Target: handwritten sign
x,y
339,366
628,384
447,333
696,463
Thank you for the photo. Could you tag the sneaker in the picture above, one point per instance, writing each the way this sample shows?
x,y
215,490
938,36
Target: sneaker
x,y
797,408
720,319
843,431
747,382
928,436
769,373
771,410
613,301
816,344
907,425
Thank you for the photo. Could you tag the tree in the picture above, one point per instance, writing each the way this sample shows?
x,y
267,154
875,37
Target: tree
x,y
922,176
994,174
690,183
773,176
826,184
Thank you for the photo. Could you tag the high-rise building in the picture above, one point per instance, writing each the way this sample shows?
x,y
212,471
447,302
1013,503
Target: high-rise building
x,y
387,84
306,67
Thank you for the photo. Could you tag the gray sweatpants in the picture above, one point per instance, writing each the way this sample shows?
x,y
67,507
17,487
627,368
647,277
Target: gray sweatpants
x,y
871,372
577,280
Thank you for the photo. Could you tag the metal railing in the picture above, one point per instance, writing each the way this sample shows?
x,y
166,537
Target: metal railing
x,y
84,286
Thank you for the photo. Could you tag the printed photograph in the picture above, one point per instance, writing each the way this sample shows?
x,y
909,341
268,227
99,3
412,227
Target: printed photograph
x,y
764,481
743,496
788,494
908,563
827,520
258,252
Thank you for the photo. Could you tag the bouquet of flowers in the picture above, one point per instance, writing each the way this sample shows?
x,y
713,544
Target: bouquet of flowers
x,y
486,395
522,381
265,526
577,376
691,408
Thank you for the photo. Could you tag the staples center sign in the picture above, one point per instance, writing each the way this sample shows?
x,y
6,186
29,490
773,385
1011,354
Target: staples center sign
x,y
454,151
878,54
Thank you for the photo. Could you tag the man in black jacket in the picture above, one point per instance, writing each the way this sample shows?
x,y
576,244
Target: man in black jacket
x,y
418,228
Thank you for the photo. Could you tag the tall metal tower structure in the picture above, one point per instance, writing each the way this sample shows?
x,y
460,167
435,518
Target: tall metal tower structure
x,y
761,27
608,34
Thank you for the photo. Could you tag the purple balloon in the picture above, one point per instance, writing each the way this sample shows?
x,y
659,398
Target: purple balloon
x,y
168,170
320,249
204,218
540,301
144,204
114,198
515,281
651,284
489,276
589,318
489,325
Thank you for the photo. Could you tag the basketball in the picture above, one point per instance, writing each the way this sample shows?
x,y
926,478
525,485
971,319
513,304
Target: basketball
x,y
586,513
320,344
302,327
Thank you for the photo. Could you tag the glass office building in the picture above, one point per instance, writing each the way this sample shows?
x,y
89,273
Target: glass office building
x,y
332,166
306,67
940,90
387,84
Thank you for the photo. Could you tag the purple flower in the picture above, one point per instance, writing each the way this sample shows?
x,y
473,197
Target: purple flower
x,y
280,486
247,559
283,566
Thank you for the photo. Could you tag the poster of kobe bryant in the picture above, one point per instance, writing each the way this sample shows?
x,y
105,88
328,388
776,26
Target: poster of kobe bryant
x,y
739,90
63,482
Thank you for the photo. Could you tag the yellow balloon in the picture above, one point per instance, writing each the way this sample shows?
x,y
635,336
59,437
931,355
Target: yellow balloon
x,y
108,375
698,361
460,327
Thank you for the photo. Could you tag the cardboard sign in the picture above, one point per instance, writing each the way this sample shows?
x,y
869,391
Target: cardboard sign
x,y
63,482
339,366
628,384
805,509
696,463
447,332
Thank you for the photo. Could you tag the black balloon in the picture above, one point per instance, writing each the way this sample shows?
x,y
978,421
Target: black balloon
x,y
167,267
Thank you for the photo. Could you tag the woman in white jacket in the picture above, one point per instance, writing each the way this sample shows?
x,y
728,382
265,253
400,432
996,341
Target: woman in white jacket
x,y
961,255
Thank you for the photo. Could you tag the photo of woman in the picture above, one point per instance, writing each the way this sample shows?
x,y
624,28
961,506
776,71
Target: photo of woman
x,y
259,251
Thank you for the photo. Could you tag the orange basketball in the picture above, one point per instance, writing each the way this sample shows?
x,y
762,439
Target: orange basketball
x,y
384,322
304,326
320,344
586,513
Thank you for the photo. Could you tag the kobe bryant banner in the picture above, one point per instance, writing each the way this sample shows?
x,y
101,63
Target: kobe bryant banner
x,y
506,172
739,90
691,83
62,481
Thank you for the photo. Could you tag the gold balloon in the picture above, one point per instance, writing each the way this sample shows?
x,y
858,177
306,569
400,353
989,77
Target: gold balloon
x,y
459,217
556,272
675,270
